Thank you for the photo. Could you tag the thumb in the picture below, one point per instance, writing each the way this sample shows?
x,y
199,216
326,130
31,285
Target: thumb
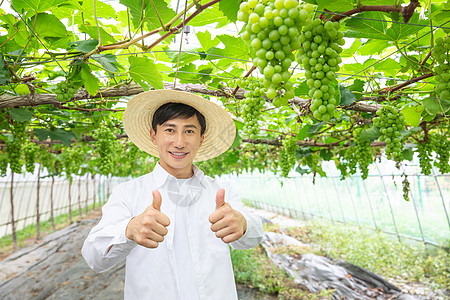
x,y
220,198
157,199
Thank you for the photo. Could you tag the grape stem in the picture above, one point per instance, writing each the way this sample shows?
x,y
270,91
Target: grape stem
x,y
406,11
253,68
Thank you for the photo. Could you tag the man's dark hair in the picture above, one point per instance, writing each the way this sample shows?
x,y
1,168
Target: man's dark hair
x,y
171,110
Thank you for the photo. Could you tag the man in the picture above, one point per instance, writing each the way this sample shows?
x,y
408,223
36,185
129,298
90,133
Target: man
x,y
174,224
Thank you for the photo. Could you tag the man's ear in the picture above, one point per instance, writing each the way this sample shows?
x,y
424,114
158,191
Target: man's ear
x,y
201,139
152,135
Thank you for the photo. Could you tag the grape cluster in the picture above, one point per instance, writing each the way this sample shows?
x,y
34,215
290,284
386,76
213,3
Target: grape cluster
x,y
347,163
30,153
363,154
319,55
441,52
106,146
272,28
14,146
72,158
406,188
252,106
443,154
390,122
425,150
287,156
3,164
47,160
65,90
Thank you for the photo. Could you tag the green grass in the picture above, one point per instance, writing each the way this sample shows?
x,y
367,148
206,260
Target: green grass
x,y
29,232
378,252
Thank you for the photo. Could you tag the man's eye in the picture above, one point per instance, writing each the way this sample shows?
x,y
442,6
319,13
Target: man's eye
x,y
169,130
189,131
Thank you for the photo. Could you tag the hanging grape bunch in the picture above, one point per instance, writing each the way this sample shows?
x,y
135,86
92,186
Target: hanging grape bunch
x,y
390,122
363,154
30,153
441,52
14,146
425,150
252,105
443,153
272,29
321,44
105,146
287,155
65,90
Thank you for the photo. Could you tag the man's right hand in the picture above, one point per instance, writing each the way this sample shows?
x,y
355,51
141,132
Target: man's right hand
x,y
149,228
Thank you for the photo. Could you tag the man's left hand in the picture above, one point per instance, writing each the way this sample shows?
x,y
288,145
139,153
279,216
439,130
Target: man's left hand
x,y
228,224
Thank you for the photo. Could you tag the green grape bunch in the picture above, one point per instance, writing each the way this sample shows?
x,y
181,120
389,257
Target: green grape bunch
x,y
363,154
441,52
390,121
65,90
72,158
30,151
252,106
3,164
319,54
272,29
443,153
106,146
287,158
14,146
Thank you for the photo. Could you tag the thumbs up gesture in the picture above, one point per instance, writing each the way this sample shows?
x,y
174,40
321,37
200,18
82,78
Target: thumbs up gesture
x,y
149,228
228,224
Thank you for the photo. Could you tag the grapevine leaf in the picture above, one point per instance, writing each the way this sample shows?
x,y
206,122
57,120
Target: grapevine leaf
x,y
369,25
400,30
5,75
144,72
372,47
91,83
342,5
326,154
413,114
84,46
408,154
316,127
303,133
347,97
230,9
108,61
303,152
206,41
58,134
92,31
21,114
370,134
350,52
302,171
49,26
148,15
302,89
210,15
434,106
357,88
36,5
22,89
234,48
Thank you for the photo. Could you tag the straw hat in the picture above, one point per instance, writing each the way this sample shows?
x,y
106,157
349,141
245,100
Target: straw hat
x,y
137,120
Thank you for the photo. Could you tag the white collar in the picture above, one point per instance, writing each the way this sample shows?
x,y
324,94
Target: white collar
x,y
161,176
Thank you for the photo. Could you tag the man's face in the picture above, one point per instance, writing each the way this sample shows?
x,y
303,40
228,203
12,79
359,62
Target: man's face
x,y
178,141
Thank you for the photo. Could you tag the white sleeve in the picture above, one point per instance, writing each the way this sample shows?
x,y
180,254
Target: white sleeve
x,y
109,234
254,233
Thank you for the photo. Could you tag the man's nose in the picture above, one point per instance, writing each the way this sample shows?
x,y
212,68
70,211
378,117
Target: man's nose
x,y
179,141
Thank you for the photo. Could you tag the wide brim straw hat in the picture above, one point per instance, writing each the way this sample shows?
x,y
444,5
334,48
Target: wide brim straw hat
x,y
137,120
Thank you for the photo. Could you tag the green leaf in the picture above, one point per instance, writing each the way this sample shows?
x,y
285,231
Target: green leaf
x,y
49,26
22,89
303,152
5,75
230,9
234,48
208,16
303,132
36,5
148,16
347,97
91,83
350,52
401,30
84,46
335,6
408,154
316,127
102,9
302,89
370,26
93,33
413,114
206,41
370,134
302,171
58,134
108,61
357,88
21,114
372,47
435,106
144,72
326,154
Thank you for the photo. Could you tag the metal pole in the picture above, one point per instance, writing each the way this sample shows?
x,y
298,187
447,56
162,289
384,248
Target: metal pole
x,y
417,215
353,202
13,225
339,199
442,197
389,201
